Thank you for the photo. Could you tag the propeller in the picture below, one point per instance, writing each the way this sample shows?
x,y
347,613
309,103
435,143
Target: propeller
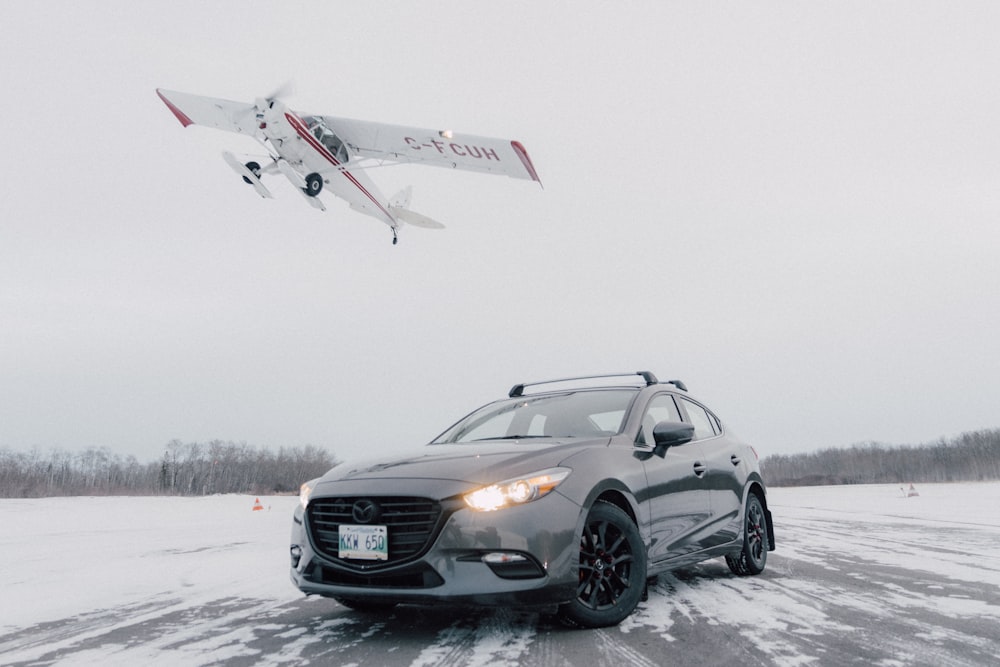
x,y
287,89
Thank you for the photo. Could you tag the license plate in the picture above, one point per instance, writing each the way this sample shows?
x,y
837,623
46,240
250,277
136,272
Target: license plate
x,y
364,542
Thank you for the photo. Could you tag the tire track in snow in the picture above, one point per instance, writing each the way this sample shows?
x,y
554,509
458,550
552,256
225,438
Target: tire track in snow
x,y
495,638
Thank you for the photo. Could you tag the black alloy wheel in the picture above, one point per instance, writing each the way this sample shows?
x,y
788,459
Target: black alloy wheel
x,y
612,574
753,557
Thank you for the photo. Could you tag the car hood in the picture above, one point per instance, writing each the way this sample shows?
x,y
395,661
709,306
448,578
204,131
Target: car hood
x,y
451,469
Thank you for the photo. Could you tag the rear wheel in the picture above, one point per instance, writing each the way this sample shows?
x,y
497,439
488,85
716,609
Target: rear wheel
x,y
612,570
753,557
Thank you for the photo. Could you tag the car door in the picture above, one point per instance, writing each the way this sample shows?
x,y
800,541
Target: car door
x,y
722,458
677,496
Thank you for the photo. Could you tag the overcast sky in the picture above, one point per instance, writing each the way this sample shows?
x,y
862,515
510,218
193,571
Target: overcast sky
x,y
792,206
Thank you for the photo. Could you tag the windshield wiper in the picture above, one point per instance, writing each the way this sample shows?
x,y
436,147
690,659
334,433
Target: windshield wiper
x,y
510,437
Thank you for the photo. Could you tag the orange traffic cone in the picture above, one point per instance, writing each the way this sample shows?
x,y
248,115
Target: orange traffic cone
x,y
257,506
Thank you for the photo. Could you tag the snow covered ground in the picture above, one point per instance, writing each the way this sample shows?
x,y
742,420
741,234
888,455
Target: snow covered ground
x,y
861,573
61,557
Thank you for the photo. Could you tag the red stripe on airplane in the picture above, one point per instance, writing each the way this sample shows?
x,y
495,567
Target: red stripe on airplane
x,y
304,132
181,116
525,160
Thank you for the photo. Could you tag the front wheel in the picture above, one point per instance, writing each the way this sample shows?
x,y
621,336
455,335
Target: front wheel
x,y
612,569
753,557
314,183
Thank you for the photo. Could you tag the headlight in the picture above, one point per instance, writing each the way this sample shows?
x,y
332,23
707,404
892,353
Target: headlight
x,y
306,490
516,491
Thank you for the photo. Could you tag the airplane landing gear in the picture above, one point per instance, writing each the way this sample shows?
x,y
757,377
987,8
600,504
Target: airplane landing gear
x,y
395,239
254,169
314,184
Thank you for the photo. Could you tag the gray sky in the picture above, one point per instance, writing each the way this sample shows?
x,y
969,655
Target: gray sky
x,y
791,206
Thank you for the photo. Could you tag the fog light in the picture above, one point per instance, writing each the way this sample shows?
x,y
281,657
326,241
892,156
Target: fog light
x,y
502,557
296,553
510,565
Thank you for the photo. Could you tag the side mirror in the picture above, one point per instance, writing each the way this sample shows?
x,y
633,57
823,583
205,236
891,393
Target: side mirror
x,y
671,434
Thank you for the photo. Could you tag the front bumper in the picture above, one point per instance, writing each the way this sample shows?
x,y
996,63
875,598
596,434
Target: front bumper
x,y
523,555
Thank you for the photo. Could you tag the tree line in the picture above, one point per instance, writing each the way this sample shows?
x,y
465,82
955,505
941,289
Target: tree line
x,y
228,467
185,469
973,456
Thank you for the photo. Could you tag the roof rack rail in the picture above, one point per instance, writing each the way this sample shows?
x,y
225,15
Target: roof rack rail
x,y
677,383
518,389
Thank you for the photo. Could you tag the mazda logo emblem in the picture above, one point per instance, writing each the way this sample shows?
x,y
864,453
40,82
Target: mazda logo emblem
x,y
364,511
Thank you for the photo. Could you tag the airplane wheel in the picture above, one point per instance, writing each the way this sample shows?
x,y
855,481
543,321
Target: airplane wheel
x,y
254,169
314,183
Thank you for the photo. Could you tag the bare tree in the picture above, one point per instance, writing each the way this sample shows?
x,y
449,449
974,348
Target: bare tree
x,y
973,456
185,469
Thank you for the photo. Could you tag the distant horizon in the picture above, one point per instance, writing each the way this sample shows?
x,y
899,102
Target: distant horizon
x,y
275,447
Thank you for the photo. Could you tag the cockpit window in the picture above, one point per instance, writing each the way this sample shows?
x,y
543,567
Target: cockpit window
x,y
329,140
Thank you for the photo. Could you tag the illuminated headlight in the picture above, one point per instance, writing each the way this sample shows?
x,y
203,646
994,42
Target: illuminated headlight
x,y
305,491
516,491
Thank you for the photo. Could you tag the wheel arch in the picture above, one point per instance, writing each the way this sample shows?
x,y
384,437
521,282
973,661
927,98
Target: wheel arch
x,y
755,486
613,491
618,499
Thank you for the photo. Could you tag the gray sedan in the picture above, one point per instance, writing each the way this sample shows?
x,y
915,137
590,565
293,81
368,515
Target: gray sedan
x,y
570,497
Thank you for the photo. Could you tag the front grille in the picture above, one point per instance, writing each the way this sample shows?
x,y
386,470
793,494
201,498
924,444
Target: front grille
x,y
410,522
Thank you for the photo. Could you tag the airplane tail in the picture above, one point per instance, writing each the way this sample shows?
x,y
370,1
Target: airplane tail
x,y
402,198
399,206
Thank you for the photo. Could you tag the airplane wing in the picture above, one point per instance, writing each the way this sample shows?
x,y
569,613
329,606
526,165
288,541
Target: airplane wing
x,y
397,143
189,109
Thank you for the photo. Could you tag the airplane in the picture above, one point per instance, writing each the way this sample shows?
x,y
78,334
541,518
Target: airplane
x,y
317,153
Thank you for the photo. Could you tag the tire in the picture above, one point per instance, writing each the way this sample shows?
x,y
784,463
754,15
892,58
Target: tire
x,y
612,570
753,557
254,169
314,184
365,606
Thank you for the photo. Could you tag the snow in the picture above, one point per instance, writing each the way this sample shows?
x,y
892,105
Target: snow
x,y
150,558
62,557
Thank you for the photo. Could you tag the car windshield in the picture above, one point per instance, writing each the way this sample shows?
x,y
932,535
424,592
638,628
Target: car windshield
x,y
577,414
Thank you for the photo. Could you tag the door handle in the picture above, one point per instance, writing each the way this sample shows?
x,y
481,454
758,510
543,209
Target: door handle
x,y
699,469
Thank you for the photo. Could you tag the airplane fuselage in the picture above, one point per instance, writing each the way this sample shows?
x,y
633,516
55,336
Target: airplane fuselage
x,y
304,146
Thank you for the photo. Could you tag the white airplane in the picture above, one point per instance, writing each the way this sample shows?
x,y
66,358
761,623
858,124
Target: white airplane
x,y
317,152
